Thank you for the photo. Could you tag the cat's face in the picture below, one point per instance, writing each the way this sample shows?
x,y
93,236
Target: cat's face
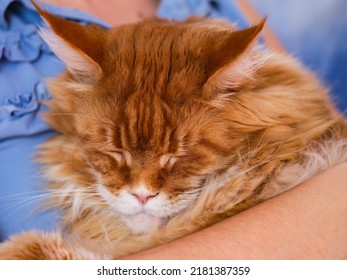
x,y
151,159
151,151
145,114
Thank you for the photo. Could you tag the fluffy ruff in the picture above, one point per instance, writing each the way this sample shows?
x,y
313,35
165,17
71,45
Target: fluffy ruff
x,y
220,128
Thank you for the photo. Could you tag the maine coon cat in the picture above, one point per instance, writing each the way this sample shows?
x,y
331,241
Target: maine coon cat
x,y
167,127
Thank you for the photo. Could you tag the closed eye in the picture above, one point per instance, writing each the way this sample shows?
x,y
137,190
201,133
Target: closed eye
x,y
167,160
122,157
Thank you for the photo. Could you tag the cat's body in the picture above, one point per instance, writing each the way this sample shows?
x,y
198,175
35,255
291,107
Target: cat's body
x,y
166,128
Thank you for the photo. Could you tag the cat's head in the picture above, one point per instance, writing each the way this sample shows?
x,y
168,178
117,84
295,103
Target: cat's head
x,y
145,106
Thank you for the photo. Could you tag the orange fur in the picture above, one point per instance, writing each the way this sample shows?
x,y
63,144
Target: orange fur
x,y
193,111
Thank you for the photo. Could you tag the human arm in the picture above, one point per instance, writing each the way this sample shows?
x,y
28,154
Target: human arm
x,y
307,222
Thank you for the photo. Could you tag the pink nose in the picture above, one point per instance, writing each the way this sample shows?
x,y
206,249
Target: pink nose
x,y
143,198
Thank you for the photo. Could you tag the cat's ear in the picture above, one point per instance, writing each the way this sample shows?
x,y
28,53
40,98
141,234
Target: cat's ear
x,y
233,59
80,47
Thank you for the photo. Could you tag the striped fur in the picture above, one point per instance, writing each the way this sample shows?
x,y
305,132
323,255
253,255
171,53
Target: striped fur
x,y
182,125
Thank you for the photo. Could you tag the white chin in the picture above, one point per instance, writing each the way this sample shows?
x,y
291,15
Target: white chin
x,y
140,223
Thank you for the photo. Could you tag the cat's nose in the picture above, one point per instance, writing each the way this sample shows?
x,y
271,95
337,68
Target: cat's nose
x,y
143,198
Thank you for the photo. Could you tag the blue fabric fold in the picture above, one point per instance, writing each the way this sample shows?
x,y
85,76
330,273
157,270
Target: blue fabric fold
x,y
19,114
3,7
25,60
22,46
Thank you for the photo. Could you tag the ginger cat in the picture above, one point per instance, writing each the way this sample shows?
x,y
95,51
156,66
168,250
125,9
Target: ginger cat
x,y
168,127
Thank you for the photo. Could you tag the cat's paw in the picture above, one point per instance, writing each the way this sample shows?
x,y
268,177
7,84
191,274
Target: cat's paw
x,y
39,246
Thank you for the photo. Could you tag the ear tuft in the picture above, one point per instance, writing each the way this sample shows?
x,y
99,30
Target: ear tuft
x,y
79,47
239,72
79,64
236,59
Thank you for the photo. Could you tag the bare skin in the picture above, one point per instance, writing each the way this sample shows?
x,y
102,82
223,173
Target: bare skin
x,y
114,12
